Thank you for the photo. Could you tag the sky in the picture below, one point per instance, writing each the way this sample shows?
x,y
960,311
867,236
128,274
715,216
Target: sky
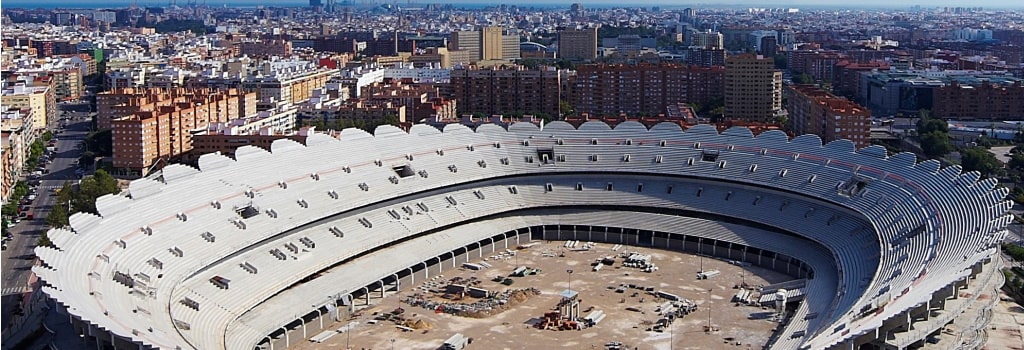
x,y
559,3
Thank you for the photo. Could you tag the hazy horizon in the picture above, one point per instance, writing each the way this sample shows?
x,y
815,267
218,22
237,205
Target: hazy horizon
x,y
545,3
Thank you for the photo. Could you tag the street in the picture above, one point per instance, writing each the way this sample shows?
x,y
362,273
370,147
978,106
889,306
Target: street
x,y
19,257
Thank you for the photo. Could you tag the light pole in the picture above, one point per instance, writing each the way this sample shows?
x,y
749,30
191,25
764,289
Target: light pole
x,y
700,253
671,335
709,310
570,279
392,343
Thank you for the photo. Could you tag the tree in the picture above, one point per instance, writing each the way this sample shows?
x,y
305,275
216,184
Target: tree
x,y
92,187
935,144
44,240
58,216
780,61
108,184
718,112
934,135
803,78
980,160
782,119
566,108
100,142
1016,162
928,125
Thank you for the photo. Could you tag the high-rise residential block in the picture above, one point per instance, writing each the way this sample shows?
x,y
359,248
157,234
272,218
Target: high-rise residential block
x,y
509,90
143,135
707,40
815,111
644,89
753,88
577,44
486,44
41,99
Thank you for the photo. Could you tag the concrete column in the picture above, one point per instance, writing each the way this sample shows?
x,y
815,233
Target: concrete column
x,y
320,316
287,341
303,321
426,270
381,281
412,276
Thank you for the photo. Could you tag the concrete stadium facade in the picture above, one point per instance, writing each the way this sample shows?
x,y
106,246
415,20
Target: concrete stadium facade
x,y
258,251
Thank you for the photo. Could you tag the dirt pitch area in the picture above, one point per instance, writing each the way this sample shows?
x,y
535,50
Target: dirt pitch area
x,y
739,326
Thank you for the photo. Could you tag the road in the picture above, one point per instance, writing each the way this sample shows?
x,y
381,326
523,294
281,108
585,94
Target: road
x,y
19,256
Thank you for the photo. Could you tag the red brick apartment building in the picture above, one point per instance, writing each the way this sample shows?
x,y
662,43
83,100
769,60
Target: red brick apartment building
x,y
153,124
815,111
612,89
507,90
986,101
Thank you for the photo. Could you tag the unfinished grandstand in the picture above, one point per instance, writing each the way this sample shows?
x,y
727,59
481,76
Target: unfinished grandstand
x,y
256,252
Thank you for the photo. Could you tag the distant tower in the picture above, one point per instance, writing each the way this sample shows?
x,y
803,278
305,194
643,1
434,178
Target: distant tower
x,y
576,8
346,8
689,15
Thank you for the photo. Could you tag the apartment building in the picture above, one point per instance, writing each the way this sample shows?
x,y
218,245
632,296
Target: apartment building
x,y
847,76
705,57
577,44
265,48
815,111
507,90
40,99
291,84
225,141
119,103
66,80
420,100
356,112
643,89
985,101
16,134
486,44
436,109
753,88
891,92
154,125
707,40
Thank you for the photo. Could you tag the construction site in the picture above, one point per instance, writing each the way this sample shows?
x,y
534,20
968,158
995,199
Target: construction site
x,y
576,295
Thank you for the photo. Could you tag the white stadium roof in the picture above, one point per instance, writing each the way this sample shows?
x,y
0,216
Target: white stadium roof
x,y
889,232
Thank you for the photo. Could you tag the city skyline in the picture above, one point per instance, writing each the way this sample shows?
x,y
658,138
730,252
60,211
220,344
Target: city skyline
x,y
881,4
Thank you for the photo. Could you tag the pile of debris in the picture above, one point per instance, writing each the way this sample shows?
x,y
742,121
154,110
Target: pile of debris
x,y
417,324
493,304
